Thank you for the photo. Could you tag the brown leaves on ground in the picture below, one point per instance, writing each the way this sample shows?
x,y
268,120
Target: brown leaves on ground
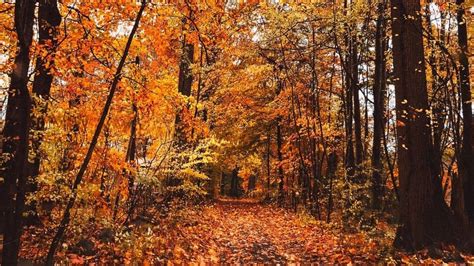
x,y
248,232
242,231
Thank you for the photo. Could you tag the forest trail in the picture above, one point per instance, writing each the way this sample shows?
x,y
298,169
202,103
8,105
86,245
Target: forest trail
x,y
239,232
243,231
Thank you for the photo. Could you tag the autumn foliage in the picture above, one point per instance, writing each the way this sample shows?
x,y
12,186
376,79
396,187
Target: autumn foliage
x,y
236,131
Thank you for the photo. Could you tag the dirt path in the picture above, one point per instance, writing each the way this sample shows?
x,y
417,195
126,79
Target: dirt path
x,y
236,232
248,232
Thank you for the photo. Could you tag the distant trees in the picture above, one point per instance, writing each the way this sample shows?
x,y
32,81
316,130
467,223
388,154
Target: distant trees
x,y
418,173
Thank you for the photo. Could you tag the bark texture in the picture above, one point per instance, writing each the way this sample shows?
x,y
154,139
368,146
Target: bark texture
x,y
424,216
15,134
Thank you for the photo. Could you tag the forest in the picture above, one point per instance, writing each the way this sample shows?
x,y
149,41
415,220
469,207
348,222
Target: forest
x,y
151,132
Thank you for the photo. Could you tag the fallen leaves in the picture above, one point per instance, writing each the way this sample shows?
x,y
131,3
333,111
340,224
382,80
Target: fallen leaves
x,y
246,232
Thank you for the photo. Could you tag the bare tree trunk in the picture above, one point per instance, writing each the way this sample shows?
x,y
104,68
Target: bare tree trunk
x,y
234,183
269,143
379,106
466,167
356,101
424,216
437,99
348,106
350,160
466,164
331,172
185,82
185,78
252,183
281,192
130,158
16,134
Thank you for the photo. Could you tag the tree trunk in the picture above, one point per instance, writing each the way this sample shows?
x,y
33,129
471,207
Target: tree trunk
x,y
222,184
438,98
185,82
234,183
379,107
349,160
185,79
424,216
132,144
331,173
356,101
49,20
269,143
252,183
130,159
281,183
16,133
466,167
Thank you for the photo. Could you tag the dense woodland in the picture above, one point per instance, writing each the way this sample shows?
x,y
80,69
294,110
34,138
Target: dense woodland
x,y
214,131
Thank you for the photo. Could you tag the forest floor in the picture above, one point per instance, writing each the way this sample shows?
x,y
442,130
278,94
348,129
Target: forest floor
x,y
244,231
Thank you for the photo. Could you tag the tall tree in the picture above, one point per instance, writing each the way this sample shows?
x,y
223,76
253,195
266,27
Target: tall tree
x,y
379,105
279,142
15,134
49,20
354,76
424,216
438,90
466,167
80,174
347,61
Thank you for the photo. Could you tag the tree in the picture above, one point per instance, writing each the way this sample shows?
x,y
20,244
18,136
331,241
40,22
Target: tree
x,y
424,215
113,87
466,168
49,20
185,82
379,105
350,66
185,79
15,134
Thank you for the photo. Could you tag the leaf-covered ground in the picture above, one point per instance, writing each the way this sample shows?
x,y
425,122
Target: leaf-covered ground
x,y
247,232
239,231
